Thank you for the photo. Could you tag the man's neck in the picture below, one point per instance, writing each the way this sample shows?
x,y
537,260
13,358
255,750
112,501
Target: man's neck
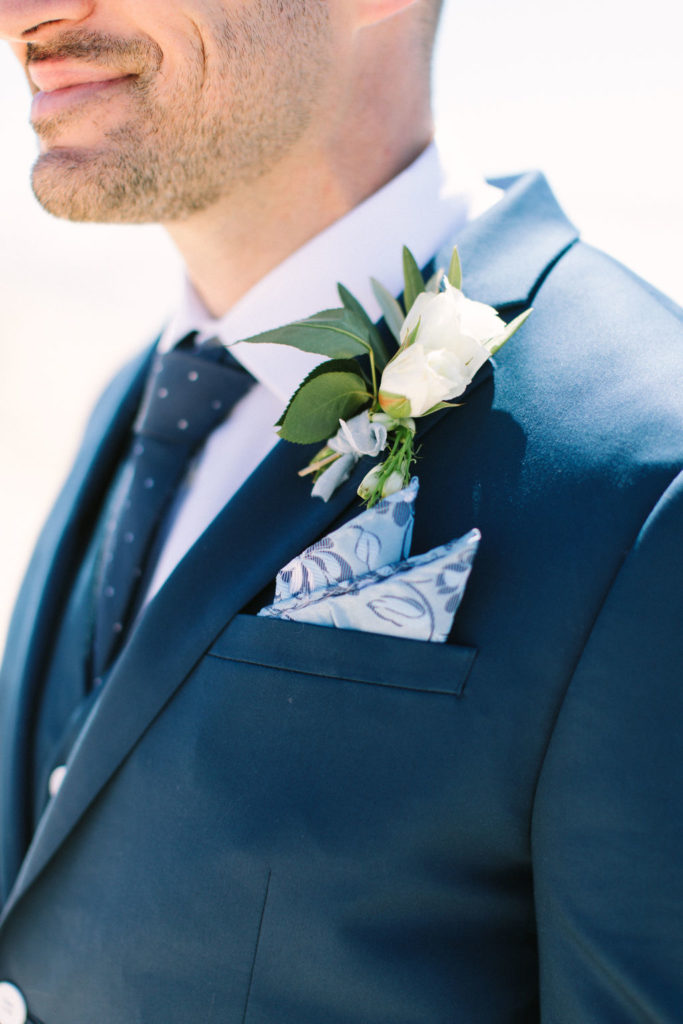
x,y
377,122
231,246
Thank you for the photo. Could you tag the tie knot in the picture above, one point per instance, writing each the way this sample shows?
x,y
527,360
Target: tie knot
x,y
188,394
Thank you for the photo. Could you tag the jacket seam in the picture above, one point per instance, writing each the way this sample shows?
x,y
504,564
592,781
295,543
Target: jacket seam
x,y
579,658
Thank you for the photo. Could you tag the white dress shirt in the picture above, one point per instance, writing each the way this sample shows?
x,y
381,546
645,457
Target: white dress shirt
x,y
423,207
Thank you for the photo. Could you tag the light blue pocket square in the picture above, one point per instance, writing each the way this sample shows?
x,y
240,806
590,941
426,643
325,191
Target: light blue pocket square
x,y
359,577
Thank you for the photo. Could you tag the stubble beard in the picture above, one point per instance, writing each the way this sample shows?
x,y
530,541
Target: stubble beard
x,y
171,160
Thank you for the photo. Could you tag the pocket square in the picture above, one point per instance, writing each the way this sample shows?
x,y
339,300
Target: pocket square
x,y
359,577
377,536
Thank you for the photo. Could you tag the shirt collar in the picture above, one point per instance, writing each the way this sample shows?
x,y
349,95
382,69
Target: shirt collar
x,y
422,207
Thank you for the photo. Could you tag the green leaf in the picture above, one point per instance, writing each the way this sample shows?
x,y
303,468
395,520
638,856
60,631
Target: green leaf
x,y
414,281
336,333
441,405
455,269
333,391
411,337
391,308
511,329
379,348
351,303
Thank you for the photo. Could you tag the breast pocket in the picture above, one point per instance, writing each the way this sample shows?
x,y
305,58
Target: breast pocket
x,y
314,735
346,655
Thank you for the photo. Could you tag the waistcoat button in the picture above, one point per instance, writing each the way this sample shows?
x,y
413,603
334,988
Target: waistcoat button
x,y
54,784
13,1009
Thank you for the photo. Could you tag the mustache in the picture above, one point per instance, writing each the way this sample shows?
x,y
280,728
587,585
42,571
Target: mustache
x,y
99,48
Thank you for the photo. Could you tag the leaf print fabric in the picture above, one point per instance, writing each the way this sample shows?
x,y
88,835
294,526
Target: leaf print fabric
x,y
378,536
360,577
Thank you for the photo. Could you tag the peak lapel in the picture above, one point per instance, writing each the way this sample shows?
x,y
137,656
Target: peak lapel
x,y
508,250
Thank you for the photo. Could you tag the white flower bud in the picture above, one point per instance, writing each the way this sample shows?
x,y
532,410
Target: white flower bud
x,y
392,484
369,482
390,422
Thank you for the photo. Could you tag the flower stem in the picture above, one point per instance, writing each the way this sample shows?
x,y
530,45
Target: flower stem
x,y
373,371
398,461
313,467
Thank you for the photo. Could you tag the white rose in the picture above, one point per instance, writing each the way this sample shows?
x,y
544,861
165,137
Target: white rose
x,y
454,339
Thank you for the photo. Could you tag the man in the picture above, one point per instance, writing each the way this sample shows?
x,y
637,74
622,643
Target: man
x,y
231,818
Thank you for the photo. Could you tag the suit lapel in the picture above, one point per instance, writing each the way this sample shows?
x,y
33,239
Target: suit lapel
x,y
507,252
269,520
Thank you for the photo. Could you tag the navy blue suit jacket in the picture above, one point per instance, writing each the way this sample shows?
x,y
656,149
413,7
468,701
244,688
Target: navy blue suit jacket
x,y
272,823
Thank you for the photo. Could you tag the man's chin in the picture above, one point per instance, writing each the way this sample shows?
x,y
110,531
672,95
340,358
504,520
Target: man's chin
x,y
79,186
116,187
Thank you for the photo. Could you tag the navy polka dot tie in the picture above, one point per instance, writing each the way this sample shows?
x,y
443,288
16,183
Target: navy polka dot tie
x,y
189,392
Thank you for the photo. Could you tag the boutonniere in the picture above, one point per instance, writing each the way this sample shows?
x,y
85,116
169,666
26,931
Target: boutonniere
x,y
364,399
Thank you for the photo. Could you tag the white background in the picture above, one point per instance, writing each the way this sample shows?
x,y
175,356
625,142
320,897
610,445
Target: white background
x,y
589,91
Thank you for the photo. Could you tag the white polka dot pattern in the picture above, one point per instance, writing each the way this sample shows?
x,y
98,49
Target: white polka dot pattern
x,y
188,394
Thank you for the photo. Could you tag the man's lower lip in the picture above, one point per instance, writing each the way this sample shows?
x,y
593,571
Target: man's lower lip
x,y
46,103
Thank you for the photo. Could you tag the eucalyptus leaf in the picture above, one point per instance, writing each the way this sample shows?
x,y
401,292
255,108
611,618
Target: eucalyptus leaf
x,y
455,269
335,333
414,281
391,308
333,391
379,348
511,329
